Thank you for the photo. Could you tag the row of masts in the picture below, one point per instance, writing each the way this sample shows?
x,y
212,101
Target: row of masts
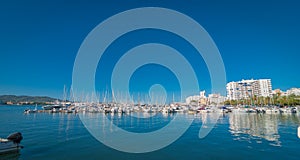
x,y
112,97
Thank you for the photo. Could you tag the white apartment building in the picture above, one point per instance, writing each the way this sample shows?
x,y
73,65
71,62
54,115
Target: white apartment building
x,y
202,99
263,88
232,91
216,99
190,99
295,91
245,89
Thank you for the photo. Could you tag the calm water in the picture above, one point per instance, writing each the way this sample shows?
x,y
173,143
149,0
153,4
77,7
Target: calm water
x,y
236,136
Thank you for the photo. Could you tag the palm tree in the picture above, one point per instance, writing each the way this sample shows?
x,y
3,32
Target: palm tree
x,y
292,100
283,101
267,100
277,98
254,100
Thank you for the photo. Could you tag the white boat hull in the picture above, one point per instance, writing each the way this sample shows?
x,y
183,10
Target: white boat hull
x,y
8,146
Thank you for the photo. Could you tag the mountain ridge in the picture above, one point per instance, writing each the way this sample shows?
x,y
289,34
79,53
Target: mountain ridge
x,y
25,99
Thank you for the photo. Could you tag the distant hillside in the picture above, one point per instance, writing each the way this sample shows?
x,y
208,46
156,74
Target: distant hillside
x,y
22,99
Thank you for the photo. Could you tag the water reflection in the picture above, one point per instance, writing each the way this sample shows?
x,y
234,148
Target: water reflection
x,y
10,156
256,126
289,118
131,123
113,131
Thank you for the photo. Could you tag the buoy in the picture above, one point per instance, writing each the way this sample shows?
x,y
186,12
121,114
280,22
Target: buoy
x,y
299,132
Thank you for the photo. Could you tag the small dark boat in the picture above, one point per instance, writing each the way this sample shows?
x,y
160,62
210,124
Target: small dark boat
x,y
11,143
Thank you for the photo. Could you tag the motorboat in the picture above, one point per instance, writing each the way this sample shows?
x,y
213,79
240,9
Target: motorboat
x,y
31,110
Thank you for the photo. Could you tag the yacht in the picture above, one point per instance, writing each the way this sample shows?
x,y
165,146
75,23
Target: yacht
x,y
50,107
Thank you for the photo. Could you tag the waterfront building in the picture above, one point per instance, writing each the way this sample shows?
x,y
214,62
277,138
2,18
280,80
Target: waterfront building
x,y
233,91
201,99
202,94
279,92
9,103
262,88
245,89
191,99
295,91
216,99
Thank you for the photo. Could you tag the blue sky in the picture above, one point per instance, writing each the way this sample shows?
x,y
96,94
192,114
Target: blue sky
x,y
39,42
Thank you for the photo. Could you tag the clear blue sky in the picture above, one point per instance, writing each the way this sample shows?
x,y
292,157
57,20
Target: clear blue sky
x,y
39,42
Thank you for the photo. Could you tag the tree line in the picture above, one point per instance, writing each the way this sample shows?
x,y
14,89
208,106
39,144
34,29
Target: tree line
x,y
276,99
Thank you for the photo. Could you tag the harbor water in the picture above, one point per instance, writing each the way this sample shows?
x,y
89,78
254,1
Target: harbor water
x,y
235,136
